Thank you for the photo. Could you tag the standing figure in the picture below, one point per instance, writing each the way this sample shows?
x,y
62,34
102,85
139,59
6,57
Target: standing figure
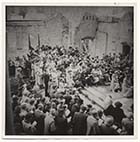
x,y
114,86
46,77
92,123
79,122
107,127
61,123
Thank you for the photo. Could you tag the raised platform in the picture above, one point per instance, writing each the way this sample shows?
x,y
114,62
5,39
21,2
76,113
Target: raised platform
x,y
97,96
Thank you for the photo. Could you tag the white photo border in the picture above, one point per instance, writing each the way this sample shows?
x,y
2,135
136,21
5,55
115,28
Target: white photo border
x,y
3,79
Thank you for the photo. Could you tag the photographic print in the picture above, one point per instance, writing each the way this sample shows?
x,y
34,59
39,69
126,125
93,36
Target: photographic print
x,y
69,70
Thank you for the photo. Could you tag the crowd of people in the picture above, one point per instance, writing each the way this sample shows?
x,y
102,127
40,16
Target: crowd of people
x,y
45,90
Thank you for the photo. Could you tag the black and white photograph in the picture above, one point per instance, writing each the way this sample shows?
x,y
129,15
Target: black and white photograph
x,y
69,70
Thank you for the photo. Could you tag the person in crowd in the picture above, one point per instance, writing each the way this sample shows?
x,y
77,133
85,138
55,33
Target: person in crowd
x,y
15,102
49,123
100,117
79,124
92,123
23,111
109,107
106,128
46,77
114,82
127,125
39,117
75,107
118,113
12,68
89,107
61,122
29,126
32,105
48,99
67,113
67,97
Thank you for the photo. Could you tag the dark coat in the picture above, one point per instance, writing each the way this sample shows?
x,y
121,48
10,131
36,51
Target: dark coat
x,y
79,123
106,130
118,116
39,117
46,82
109,111
46,78
61,125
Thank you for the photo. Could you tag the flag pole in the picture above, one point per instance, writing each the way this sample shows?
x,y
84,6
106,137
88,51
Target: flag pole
x,y
29,42
38,40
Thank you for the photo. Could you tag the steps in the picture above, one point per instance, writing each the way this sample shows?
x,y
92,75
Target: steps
x,y
98,95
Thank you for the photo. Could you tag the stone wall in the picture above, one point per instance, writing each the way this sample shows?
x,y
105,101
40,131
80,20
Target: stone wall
x,y
51,33
109,35
48,23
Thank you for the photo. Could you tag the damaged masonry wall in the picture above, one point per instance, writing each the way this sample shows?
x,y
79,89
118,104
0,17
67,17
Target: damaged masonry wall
x,y
51,33
57,26
105,35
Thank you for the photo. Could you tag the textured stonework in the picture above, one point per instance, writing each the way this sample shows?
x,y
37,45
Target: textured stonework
x,y
64,26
